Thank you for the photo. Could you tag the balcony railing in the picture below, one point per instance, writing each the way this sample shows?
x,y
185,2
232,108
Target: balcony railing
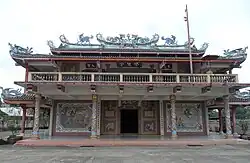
x,y
131,77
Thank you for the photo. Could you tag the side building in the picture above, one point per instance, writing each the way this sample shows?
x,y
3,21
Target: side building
x,y
127,85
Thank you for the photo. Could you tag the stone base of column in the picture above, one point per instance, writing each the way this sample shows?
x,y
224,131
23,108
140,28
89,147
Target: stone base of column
x,y
35,136
174,135
21,134
93,137
221,133
236,135
229,136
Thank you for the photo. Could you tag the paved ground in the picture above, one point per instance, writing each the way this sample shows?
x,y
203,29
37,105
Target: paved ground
x,y
214,154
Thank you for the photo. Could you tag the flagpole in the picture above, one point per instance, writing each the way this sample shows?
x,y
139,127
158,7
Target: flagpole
x,y
189,42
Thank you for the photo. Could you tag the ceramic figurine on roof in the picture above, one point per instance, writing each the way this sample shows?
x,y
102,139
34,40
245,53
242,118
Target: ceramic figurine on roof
x,y
239,53
10,92
204,46
15,49
51,44
82,40
127,40
170,40
242,95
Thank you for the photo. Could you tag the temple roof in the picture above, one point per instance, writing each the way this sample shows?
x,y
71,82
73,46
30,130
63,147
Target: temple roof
x,y
126,42
126,47
15,96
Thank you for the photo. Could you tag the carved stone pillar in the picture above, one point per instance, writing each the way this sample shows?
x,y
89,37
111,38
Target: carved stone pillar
x,y
94,117
173,116
227,117
220,121
234,121
23,121
98,117
35,133
161,119
51,115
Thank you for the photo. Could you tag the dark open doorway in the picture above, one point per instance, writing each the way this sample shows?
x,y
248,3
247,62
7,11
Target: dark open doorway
x,y
129,121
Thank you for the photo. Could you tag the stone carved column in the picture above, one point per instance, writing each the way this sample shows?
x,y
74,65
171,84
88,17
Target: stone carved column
x,y
51,115
227,117
220,121
23,122
173,116
94,117
35,133
161,119
98,115
234,121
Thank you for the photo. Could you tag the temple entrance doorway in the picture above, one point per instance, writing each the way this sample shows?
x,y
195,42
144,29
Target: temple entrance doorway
x,y
129,121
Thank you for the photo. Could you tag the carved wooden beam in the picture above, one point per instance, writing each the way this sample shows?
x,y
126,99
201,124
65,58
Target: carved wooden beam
x,y
177,89
31,88
93,88
60,87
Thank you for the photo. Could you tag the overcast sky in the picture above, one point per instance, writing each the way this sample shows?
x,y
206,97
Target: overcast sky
x,y
225,24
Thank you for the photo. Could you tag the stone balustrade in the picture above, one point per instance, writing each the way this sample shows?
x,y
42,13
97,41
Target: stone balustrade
x,y
131,77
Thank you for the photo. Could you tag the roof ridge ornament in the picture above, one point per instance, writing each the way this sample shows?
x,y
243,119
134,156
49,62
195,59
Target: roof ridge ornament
x,y
170,40
15,49
239,53
50,43
10,92
129,40
242,95
82,40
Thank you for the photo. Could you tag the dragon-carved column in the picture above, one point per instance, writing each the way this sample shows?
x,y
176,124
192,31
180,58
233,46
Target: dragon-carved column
x,y
35,133
173,116
94,117
227,117
220,121
161,119
23,121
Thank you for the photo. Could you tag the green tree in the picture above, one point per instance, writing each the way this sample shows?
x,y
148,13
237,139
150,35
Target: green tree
x,y
243,113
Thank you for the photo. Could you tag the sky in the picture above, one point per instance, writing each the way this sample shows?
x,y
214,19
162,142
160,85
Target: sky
x,y
224,24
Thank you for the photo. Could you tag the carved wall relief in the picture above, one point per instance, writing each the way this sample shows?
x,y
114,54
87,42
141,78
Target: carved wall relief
x,y
73,117
188,117
149,117
109,117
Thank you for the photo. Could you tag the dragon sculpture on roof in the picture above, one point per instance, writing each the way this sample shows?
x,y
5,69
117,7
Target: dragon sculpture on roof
x,y
239,53
242,95
15,49
10,92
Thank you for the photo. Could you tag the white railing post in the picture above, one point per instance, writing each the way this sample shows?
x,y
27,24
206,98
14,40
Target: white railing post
x,y
150,78
208,78
59,76
30,76
92,77
121,78
177,78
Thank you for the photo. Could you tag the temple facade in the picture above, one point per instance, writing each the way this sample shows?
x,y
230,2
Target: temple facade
x,y
126,85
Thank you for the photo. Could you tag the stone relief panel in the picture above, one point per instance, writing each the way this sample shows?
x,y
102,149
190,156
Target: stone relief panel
x,y
73,117
109,117
149,117
188,117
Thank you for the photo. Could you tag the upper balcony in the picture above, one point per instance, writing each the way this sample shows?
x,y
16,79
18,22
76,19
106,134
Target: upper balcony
x,y
131,77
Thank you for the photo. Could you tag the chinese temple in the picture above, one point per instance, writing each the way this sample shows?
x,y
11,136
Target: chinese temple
x,y
128,84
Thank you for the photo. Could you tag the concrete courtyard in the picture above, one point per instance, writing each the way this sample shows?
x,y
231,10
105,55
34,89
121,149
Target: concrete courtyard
x,y
206,154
